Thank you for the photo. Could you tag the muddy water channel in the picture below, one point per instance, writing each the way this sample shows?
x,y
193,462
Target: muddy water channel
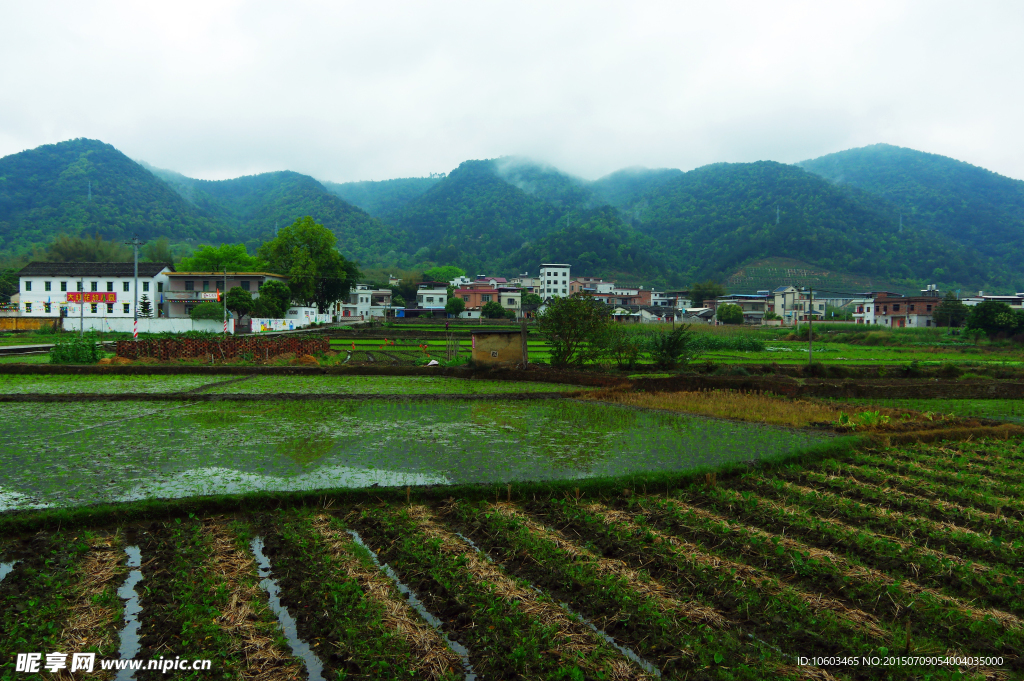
x,y
80,453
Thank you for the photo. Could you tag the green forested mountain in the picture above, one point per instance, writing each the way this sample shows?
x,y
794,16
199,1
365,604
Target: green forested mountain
x,y
381,198
625,188
967,204
86,186
713,219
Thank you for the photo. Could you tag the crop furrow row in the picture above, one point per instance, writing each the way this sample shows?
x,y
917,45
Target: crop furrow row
x,y
509,628
948,537
1003,530
994,508
679,637
348,630
933,613
762,607
957,470
967,579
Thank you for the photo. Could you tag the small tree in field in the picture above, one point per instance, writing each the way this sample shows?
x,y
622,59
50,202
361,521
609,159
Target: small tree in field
x,y
730,314
493,310
455,306
950,312
209,310
239,301
145,307
575,327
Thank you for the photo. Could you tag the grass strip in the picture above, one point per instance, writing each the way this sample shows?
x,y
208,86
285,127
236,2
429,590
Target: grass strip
x,y
763,607
509,628
95,617
966,579
246,619
37,598
887,470
1002,529
948,537
932,612
431,657
349,630
625,603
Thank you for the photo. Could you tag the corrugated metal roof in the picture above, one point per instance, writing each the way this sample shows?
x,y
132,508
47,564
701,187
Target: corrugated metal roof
x,y
92,269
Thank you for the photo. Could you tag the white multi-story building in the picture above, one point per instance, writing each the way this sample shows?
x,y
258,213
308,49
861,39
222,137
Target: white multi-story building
x,y
554,280
55,289
431,298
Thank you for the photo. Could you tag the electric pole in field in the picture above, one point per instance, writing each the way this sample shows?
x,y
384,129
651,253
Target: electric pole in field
x,y
135,243
81,307
810,331
225,337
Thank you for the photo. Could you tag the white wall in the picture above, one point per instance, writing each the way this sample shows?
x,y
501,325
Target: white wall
x,y
162,325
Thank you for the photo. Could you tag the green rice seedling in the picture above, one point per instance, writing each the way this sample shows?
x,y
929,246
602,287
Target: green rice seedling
x,y
940,620
507,627
955,466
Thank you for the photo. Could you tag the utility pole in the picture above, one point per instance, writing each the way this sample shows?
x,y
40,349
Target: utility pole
x,y
810,331
135,243
81,307
225,302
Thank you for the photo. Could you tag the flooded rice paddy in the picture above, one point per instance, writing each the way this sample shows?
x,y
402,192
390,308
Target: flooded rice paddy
x,y
81,453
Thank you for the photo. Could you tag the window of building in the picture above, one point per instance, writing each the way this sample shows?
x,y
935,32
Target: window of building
x,y
928,308
206,285
927,322
93,308
911,307
46,308
190,286
245,285
110,308
47,285
94,286
28,285
419,299
126,310
63,286
896,307
145,286
110,287
160,287
125,286
466,298
511,301
430,299
485,297
78,286
28,307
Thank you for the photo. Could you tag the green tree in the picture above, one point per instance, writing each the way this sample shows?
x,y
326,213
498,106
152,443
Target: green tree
x,y
145,307
273,301
623,345
8,284
951,311
837,314
492,310
993,318
769,316
532,299
240,301
398,301
210,310
574,326
670,350
443,273
157,251
455,306
66,248
705,290
319,274
230,257
728,313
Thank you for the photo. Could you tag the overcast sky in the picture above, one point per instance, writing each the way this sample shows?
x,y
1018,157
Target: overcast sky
x,y
374,90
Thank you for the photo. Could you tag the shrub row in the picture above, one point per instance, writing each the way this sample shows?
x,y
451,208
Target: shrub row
x,y
185,348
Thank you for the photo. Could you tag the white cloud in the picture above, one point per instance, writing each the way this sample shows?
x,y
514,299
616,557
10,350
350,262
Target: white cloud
x,y
348,91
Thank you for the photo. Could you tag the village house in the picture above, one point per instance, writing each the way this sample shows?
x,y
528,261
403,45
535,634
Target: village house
x,y
898,312
554,280
753,305
58,289
1014,301
364,301
185,290
796,305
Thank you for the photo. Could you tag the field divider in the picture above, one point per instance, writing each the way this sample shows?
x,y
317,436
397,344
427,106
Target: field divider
x,y
849,569
246,618
433,655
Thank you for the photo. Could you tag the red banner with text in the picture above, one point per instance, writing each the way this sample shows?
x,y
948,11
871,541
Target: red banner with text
x,y
93,297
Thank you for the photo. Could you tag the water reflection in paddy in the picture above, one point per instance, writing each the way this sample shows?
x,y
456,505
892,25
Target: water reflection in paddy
x,y
80,453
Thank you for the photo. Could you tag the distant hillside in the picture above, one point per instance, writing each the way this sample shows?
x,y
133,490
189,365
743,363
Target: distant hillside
x,y
714,219
257,205
771,273
968,205
625,188
381,198
86,186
